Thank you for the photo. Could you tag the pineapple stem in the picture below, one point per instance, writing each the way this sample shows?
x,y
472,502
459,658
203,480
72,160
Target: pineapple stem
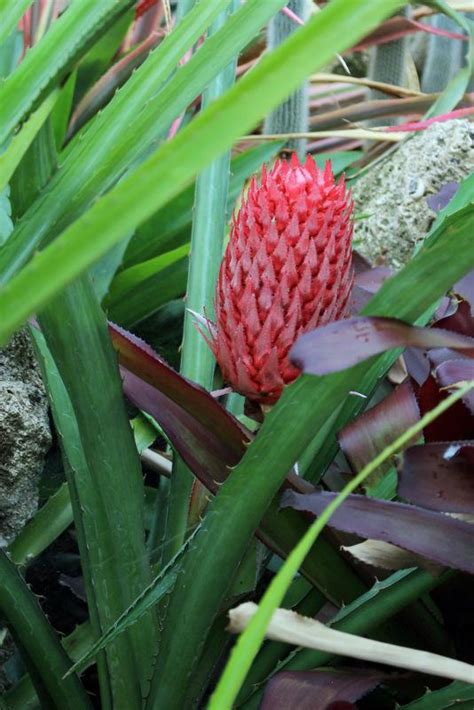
x,y
197,361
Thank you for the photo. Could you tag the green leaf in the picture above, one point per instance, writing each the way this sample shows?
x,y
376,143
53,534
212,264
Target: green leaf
x,y
177,161
143,431
62,110
22,696
46,525
39,643
151,595
107,473
97,60
363,616
49,61
129,279
269,658
452,696
11,157
11,12
340,160
144,299
104,270
34,171
6,224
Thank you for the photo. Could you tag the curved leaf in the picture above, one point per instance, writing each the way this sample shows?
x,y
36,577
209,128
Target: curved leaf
x,y
430,534
345,343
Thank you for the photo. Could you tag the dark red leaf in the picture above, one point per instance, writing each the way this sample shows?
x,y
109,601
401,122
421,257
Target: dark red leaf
x,y
439,476
447,308
459,321
358,299
360,263
318,690
345,343
455,424
460,370
369,434
430,534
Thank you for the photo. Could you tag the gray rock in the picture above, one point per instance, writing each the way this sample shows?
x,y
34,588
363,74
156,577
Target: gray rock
x,y
25,435
394,192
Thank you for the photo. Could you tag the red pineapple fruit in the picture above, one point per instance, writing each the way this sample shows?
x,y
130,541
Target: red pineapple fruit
x,y
287,269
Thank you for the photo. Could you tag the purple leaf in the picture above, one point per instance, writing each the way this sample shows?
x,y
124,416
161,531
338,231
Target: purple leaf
x,y
373,279
344,343
439,476
318,690
358,299
434,535
417,364
369,434
443,197
367,282
465,288
460,370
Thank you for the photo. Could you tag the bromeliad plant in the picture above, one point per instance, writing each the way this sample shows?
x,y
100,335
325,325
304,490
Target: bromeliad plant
x,y
103,229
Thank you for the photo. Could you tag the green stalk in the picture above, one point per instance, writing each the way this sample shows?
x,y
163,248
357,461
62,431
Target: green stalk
x,y
207,237
44,654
